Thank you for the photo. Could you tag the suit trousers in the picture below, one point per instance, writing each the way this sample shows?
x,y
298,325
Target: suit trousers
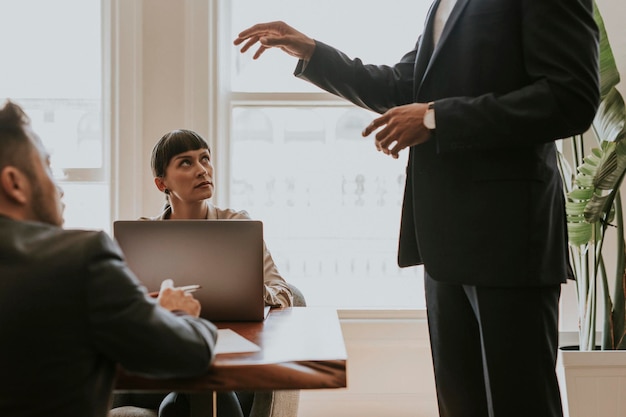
x,y
494,349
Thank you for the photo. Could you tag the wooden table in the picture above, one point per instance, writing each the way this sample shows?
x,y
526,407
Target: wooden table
x,y
301,348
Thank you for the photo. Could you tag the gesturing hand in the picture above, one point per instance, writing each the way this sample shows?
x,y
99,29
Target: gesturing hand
x,y
402,126
278,35
177,299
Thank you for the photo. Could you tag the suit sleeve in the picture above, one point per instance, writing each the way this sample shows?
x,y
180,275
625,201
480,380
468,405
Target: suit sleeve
x,y
132,329
509,74
374,87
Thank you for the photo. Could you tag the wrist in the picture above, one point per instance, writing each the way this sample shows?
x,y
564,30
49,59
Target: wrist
x,y
429,116
308,50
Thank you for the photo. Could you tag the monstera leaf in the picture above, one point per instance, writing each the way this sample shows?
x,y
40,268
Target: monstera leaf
x,y
602,172
579,227
609,75
609,126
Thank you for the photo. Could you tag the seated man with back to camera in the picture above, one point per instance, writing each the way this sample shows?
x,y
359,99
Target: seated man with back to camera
x,y
70,308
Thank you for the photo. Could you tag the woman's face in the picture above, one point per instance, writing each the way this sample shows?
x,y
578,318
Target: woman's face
x,y
188,176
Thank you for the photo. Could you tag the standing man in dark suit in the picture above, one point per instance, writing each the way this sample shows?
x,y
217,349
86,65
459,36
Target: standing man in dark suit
x,y
478,104
70,308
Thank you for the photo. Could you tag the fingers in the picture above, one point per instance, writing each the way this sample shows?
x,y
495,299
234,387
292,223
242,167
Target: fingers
x,y
167,288
250,43
259,52
177,299
187,303
389,146
167,283
256,31
384,141
399,128
194,307
375,124
276,35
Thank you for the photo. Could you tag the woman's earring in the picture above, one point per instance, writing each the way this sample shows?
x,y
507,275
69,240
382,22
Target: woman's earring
x,y
166,191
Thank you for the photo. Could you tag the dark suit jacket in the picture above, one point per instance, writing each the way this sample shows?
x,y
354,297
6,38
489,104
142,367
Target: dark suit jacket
x,y
483,203
70,310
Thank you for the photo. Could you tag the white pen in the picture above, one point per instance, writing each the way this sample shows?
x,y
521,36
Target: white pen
x,y
185,288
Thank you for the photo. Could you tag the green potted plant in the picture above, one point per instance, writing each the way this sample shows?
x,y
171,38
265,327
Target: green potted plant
x,y
595,215
595,221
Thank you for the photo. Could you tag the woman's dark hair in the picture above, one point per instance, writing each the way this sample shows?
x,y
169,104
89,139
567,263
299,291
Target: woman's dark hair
x,y
172,144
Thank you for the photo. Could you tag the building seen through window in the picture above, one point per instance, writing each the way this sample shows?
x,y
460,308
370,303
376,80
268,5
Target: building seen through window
x,y
329,202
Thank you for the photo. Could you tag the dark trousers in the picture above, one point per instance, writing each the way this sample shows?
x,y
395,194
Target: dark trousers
x,y
229,403
494,349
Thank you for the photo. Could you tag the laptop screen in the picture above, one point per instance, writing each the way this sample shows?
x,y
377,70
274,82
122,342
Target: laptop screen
x,y
225,257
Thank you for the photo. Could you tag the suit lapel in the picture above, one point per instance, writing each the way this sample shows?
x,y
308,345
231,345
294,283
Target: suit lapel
x,y
452,20
425,46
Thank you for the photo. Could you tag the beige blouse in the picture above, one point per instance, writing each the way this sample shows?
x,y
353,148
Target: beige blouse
x,y
276,291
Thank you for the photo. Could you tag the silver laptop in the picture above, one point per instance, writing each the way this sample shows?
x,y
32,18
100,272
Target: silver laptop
x,y
225,257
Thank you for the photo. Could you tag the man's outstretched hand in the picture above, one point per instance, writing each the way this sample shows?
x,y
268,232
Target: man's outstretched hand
x,y
276,35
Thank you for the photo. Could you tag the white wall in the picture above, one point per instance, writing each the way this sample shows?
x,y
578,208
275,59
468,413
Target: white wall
x,y
161,77
389,371
614,14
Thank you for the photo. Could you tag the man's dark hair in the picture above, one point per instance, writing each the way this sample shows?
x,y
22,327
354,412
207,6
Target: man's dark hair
x,y
15,143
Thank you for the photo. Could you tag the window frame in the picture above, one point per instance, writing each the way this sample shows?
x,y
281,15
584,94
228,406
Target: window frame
x,y
223,100
205,103
72,178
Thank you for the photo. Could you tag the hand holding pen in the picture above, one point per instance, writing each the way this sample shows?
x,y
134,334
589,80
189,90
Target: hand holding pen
x,y
187,289
178,299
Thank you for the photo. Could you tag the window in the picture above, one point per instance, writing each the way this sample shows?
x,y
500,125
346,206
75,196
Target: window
x,y
297,161
51,66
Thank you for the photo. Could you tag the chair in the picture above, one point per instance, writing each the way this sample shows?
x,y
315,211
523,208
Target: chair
x,y
298,297
129,411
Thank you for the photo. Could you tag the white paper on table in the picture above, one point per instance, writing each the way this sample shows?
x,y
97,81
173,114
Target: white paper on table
x,y
228,341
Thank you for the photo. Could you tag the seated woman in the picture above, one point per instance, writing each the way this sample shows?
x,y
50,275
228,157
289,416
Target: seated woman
x,y
183,171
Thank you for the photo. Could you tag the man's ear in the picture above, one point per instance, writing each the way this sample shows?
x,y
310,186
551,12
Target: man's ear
x,y
15,185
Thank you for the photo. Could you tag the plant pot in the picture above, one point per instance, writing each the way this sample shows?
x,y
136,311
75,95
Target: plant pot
x,y
593,383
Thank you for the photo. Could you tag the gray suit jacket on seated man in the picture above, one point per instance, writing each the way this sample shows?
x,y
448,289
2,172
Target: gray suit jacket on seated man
x,y
70,309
